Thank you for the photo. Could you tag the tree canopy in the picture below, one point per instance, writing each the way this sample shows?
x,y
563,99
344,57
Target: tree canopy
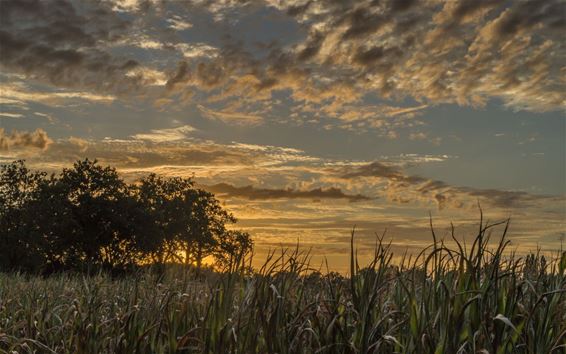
x,y
88,218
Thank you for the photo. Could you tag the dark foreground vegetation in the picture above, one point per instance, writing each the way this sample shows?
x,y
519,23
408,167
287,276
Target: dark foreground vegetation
x,y
445,300
91,264
89,219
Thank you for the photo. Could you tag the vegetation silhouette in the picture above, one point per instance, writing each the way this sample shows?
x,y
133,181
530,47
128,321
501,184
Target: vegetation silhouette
x,y
449,298
88,219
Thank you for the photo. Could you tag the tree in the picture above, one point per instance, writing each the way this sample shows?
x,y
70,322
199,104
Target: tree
x,y
89,218
108,220
163,202
205,225
234,247
185,218
19,187
50,220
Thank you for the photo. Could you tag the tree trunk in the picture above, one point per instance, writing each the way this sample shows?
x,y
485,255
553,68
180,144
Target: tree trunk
x,y
187,255
199,257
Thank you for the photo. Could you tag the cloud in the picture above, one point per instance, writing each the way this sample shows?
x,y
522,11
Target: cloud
x,y
178,23
19,93
464,52
252,193
147,76
66,45
11,115
418,136
182,76
376,169
179,152
80,144
136,157
406,188
174,152
228,117
166,135
197,50
175,149
36,139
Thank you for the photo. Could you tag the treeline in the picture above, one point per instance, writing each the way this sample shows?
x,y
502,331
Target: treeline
x,y
87,218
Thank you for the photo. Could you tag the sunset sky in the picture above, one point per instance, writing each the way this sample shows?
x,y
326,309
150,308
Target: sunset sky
x,y
305,117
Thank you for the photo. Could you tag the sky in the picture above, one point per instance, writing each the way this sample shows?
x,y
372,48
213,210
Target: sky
x,y
306,118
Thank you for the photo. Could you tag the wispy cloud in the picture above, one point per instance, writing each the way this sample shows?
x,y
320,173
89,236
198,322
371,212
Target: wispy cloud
x,y
251,192
236,118
178,23
10,115
19,94
166,135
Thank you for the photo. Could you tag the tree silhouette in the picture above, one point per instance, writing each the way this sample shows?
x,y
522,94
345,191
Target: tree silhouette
x,y
107,217
234,246
186,218
162,200
88,218
20,246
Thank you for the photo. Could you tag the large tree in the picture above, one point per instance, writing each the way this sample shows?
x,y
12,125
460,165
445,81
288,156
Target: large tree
x,y
163,202
88,218
110,224
20,248
190,221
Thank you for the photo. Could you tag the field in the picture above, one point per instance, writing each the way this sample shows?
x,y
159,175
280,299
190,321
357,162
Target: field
x,y
477,299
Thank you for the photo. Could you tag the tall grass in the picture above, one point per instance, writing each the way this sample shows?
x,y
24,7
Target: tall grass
x,y
447,299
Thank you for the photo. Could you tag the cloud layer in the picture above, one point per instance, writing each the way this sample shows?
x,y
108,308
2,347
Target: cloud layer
x,y
465,52
251,192
408,188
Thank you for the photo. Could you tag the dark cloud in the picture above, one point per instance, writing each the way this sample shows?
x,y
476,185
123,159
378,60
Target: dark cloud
x,y
401,5
550,14
182,75
146,155
211,74
406,188
362,22
37,139
52,41
298,10
375,169
467,8
251,192
312,46
378,169
371,56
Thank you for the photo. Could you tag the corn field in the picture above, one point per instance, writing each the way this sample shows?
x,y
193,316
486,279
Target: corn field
x,y
450,298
